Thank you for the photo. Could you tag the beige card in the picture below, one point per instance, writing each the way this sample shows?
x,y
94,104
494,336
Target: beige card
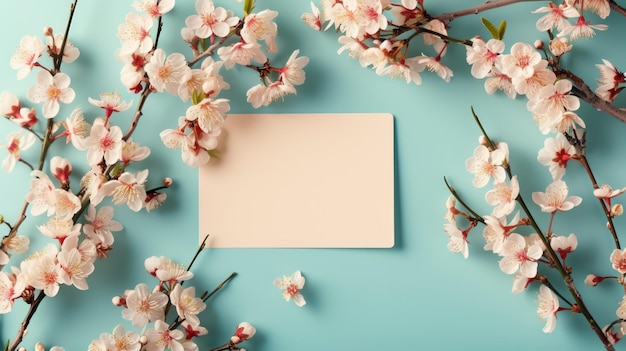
x,y
300,181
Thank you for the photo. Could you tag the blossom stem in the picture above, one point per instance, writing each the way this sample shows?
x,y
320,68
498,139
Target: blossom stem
x,y
200,248
475,215
584,92
211,49
217,288
31,311
607,211
547,283
487,5
617,8
59,58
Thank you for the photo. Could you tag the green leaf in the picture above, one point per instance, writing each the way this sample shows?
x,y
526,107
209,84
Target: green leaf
x,y
501,29
491,28
7,345
248,6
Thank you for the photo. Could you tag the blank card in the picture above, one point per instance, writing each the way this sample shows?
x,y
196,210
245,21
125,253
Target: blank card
x,y
300,181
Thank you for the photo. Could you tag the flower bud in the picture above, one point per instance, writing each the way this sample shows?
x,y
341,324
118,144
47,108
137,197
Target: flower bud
x,y
538,44
617,210
244,332
168,181
1,219
39,347
143,340
482,140
47,31
593,280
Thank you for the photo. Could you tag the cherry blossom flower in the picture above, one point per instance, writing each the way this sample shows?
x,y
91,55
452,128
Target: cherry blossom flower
x,y
498,81
132,152
154,200
555,198
101,224
559,46
556,16
601,7
564,244
60,228
166,270
520,62
42,271
132,72
74,270
104,143
154,8
76,129
11,289
70,52
582,28
555,154
61,169
143,306
520,283
292,286
261,95
531,85
408,69
128,188
434,64
166,73
482,56
110,102
41,197
161,337
17,243
211,21
610,78
554,99
241,53
213,81
187,304
606,193
354,46
134,33
313,19
503,196
121,340
192,83
371,18
259,26
497,229
16,143
618,260
614,332
486,164
10,105
457,239
548,308
25,58
50,90
452,210
243,332
293,73
208,113
518,255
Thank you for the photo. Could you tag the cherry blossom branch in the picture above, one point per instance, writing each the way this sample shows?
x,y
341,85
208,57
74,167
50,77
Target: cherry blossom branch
x,y
22,331
617,8
607,212
584,92
557,264
487,5
211,49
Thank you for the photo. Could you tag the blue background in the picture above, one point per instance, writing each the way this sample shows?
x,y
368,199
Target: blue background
x,y
417,295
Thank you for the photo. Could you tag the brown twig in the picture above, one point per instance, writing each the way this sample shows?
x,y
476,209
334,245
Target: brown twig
x,y
617,8
487,5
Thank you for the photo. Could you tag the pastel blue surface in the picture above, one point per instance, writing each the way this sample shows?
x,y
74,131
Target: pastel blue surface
x,y
417,295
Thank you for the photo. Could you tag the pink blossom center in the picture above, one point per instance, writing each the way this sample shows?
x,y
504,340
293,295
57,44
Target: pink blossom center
x,y
50,278
292,290
106,143
523,61
53,93
561,157
522,257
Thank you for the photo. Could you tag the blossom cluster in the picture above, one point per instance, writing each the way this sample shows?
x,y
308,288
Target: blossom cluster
x,y
147,308
77,198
